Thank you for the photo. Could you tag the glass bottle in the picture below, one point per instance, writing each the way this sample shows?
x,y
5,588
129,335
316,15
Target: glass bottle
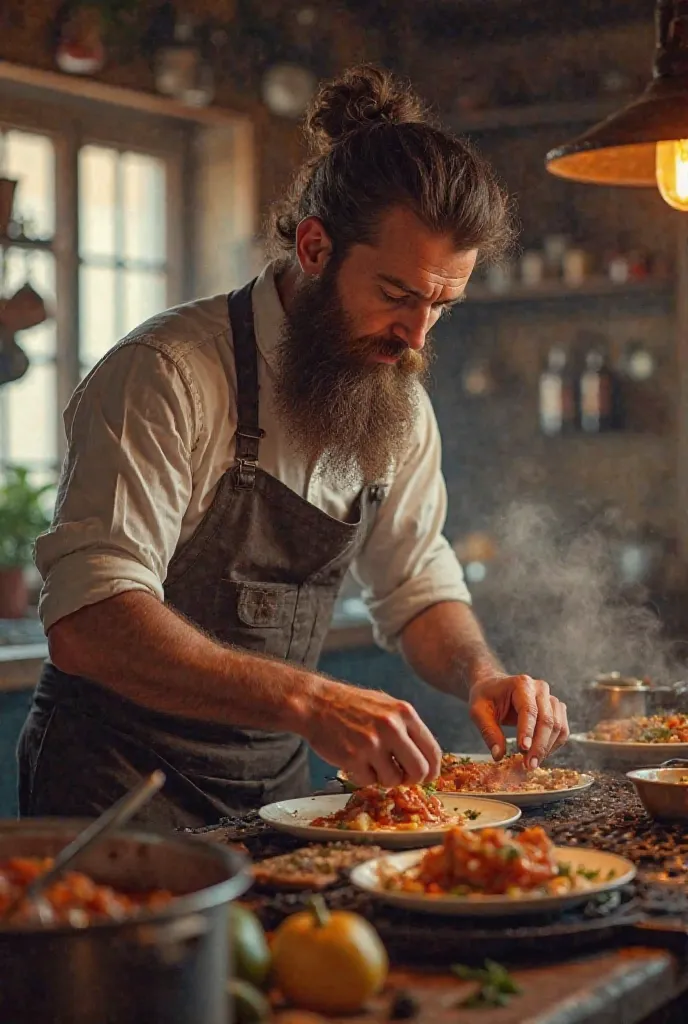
x,y
557,405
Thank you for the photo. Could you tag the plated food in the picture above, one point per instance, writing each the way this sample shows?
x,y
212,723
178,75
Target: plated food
x,y
403,808
403,817
311,867
641,741
509,778
493,872
75,898
651,729
510,775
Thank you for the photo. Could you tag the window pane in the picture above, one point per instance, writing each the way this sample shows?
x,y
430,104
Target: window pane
x,y
144,295
38,270
143,206
32,416
97,201
31,159
98,326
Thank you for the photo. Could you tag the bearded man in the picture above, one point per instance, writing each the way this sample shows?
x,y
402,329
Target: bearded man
x,y
231,460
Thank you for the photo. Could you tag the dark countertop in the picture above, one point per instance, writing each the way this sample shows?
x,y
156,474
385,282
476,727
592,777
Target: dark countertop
x,y
615,960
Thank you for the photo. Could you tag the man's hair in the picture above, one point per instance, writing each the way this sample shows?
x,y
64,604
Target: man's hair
x,y
372,146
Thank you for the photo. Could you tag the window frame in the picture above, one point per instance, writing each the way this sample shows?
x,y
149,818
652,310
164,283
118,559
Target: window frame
x,y
72,123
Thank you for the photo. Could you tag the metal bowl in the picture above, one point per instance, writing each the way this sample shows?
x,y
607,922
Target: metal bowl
x,y
661,790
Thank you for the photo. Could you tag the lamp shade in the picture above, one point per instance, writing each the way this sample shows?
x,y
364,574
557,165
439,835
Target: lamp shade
x,y
622,150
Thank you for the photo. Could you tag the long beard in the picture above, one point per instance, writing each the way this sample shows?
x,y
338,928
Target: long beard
x,y
353,417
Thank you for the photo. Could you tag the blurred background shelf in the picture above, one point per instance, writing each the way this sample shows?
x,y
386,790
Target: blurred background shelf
x,y
594,287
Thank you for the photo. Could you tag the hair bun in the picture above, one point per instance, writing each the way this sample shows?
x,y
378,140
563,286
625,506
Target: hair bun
x,y
363,97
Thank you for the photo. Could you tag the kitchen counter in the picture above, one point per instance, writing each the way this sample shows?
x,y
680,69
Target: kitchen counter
x,y
621,960
20,666
625,986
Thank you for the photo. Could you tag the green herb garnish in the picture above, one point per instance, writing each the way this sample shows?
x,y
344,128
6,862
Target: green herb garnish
x,y
472,815
588,873
495,985
655,734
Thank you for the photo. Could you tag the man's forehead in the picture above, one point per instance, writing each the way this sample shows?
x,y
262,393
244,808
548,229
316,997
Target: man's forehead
x,y
406,249
416,270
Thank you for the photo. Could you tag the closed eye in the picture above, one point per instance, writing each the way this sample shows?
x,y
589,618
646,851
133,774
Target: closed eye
x,y
394,300
443,308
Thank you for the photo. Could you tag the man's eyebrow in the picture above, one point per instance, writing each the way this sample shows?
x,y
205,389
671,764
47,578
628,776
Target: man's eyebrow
x,y
396,282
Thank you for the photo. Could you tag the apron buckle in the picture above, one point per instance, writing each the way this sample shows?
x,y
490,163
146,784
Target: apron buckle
x,y
246,474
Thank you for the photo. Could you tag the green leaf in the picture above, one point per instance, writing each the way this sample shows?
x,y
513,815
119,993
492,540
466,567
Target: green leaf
x,y
25,512
496,986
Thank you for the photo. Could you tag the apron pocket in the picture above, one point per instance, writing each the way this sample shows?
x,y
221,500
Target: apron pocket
x,y
258,616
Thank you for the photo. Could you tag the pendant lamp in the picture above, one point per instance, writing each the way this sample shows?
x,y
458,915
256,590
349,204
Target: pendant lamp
x,y
645,143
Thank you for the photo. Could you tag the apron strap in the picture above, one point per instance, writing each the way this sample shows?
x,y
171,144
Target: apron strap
x,y
248,433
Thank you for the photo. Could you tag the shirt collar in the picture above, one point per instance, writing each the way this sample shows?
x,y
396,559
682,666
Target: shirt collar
x,y
268,315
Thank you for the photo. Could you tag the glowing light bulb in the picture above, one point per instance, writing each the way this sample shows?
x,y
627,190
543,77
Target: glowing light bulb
x,y
672,173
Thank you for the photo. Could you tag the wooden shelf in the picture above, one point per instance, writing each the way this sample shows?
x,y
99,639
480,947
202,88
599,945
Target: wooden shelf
x,y
622,436
593,288
535,115
84,88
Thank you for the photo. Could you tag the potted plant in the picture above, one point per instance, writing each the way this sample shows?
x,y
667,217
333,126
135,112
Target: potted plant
x,y
24,513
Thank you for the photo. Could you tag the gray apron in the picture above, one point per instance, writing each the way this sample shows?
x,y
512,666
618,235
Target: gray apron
x,y
261,572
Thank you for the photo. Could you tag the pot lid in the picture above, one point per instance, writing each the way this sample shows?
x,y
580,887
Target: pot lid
x,y
615,681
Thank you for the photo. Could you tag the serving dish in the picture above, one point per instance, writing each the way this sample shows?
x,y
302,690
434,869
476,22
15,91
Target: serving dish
x,y
295,817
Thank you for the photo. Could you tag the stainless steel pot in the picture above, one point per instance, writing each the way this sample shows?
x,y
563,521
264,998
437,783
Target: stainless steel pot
x,y
170,967
616,696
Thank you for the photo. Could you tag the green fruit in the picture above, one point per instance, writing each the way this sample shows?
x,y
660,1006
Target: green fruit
x,y
249,951
247,1004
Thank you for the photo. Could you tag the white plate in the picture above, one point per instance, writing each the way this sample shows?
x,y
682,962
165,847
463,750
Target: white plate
x,y
520,798
295,816
631,755
365,876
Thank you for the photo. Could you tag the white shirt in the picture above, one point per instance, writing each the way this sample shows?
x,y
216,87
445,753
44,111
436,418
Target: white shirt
x,y
150,433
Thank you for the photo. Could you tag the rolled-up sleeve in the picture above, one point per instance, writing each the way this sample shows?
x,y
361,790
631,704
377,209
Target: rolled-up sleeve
x,y
125,484
407,564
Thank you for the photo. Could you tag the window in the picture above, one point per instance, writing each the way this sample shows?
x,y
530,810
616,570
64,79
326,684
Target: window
x,y
98,233
122,246
28,407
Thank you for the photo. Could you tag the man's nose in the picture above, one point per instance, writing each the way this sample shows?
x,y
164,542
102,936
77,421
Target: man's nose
x,y
414,328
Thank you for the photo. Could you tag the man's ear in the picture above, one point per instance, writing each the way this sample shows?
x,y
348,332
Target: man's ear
x,y
313,246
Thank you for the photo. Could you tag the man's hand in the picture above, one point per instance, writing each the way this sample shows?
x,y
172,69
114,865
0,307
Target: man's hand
x,y
501,699
372,736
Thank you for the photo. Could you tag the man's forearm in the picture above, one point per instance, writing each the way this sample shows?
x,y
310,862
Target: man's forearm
x,y
446,647
146,652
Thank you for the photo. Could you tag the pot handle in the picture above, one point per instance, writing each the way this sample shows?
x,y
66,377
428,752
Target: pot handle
x,y
169,942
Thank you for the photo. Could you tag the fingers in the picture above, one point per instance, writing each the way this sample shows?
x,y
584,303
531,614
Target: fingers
x,y
362,775
425,742
524,700
399,748
560,733
404,738
484,717
544,727
388,772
